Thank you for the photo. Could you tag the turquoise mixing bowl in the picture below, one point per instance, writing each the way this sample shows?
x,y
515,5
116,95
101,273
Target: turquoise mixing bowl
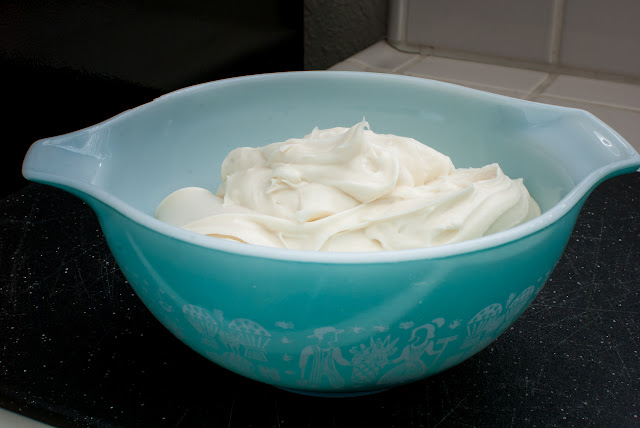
x,y
331,323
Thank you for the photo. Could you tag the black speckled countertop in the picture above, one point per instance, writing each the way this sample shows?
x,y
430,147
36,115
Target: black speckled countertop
x,y
79,349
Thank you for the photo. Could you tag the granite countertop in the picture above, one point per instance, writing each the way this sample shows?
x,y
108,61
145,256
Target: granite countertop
x,y
79,348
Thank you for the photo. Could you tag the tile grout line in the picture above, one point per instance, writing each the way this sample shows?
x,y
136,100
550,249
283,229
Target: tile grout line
x,y
399,69
544,67
541,87
537,91
403,67
557,25
592,103
499,90
364,66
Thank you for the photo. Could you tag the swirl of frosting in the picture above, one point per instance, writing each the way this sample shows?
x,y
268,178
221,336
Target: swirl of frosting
x,y
350,189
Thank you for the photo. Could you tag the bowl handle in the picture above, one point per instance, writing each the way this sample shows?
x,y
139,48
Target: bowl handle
x,y
619,157
69,161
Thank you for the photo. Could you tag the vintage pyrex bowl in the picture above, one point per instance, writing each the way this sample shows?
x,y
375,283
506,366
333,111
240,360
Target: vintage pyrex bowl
x,y
331,323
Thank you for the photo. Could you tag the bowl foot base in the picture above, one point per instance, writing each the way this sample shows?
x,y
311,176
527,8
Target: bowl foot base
x,y
332,394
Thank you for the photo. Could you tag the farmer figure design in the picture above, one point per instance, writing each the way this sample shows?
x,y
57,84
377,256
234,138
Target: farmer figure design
x,y
322,358
411,366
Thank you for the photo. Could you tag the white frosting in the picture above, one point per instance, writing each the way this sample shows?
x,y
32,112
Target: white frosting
x,y
349,189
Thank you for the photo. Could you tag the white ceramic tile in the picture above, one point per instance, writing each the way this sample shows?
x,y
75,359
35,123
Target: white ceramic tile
x,y
602,35
382,56
349,65
625,122
597,91
477,74
512,29
500,91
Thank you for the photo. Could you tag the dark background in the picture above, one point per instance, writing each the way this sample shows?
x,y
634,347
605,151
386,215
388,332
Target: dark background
x,y
70,64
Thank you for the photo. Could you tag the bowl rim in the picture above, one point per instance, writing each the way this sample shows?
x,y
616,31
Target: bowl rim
x,y
546,219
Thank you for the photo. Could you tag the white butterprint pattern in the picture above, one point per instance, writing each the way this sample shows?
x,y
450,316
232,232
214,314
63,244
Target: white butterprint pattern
x,y
438,322
166,306
322,357
284,325
203,321
229,339
235,362
412,365
269,373
485,326
252,336
455,324
368,361
376,357
406,325
481,327
515,305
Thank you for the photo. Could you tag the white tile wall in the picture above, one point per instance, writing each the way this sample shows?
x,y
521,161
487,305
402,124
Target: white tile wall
x,y
588,36
602,35
383,57
507,28
509,81
615,94
350,65
616,103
